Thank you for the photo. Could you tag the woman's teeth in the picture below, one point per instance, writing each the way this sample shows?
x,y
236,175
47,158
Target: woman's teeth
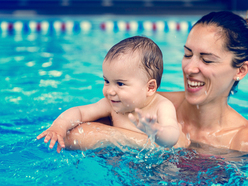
x,y
194,84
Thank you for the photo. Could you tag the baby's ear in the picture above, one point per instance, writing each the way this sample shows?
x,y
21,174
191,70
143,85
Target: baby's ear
x,y
151,87
242,71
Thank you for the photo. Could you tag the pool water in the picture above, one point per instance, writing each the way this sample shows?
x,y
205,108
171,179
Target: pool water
x,y
43,74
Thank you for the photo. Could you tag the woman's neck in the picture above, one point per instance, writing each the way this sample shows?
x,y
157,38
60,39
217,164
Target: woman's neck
x,y
211,116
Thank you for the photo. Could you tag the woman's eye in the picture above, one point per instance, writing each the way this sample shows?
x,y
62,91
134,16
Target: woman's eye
x,y
206,61
187,56
120,83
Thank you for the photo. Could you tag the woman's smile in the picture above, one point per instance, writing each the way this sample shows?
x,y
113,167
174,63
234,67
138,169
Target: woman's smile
x,y
194,85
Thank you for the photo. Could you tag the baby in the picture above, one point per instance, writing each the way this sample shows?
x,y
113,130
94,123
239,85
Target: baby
x,y
132,71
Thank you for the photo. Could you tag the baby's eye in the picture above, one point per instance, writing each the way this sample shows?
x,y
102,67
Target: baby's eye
x,y
106,81
120,83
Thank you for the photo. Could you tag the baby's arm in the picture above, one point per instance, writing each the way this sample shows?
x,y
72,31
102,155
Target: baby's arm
x,y
71,118
164,125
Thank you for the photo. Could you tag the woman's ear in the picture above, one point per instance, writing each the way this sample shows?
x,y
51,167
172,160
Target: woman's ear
x,y
151,87
241,71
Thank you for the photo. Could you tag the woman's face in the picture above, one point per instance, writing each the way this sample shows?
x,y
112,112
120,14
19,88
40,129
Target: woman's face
x,y
206,65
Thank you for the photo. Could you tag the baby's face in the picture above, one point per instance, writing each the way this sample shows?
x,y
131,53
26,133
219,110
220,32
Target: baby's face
x,y
125,84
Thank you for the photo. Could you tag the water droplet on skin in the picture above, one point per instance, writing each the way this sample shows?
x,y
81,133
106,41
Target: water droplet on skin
x,y
197,106
97,129
75,142
206,93
188,136
182,123
78,122
88,123
80,130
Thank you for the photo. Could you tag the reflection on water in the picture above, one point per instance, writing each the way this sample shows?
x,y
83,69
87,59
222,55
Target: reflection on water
x,y
179,166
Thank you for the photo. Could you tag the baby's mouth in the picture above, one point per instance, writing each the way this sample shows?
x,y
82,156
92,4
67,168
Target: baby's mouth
x,y
113,101
195,84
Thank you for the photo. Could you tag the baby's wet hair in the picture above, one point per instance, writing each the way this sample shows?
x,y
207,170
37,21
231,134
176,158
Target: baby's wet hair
x,y
150,54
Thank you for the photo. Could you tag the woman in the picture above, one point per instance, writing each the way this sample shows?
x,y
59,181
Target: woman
x,y
215,60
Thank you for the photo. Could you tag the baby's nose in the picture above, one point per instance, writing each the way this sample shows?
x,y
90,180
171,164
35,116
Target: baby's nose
x,y
111,91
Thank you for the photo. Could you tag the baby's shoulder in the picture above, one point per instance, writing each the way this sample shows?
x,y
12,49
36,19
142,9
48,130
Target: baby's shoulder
x,y
163,100
162,103
175,97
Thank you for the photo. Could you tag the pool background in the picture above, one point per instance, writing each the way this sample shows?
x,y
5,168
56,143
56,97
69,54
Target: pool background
x,y
45,73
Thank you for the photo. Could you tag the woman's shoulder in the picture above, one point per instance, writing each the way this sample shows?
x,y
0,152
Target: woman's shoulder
x,y
175,97
240,140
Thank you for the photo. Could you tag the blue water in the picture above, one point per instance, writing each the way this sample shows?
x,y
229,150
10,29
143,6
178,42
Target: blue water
x,y
45,74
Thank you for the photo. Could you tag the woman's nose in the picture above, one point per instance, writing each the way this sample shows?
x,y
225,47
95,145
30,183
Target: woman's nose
x,y
192,66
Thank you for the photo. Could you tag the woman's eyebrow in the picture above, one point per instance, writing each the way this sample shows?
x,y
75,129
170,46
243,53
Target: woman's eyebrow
x,y
187,48
209,54
203,53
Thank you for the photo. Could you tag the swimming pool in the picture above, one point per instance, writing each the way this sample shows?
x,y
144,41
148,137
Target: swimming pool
x,y
49,64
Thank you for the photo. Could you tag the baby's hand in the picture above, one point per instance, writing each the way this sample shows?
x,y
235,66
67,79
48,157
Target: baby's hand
x,y
148,124
54,134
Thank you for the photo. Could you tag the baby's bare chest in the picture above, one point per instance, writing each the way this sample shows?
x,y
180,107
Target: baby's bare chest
x,y
122,121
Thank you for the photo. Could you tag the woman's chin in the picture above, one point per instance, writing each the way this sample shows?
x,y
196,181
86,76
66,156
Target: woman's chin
x,y
194,100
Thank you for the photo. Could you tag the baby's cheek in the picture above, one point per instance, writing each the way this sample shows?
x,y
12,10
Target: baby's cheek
x,y
104,91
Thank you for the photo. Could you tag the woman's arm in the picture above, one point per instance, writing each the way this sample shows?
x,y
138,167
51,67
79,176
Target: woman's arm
x,y
92,135
95,134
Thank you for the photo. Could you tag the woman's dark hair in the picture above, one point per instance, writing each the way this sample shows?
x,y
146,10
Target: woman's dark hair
x,y
235,33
